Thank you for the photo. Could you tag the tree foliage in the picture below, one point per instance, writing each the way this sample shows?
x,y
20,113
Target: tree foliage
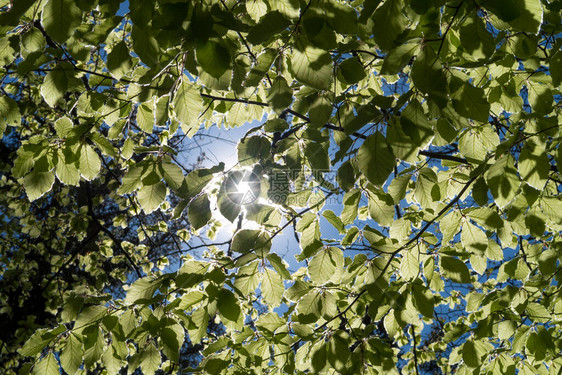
x,y
434,124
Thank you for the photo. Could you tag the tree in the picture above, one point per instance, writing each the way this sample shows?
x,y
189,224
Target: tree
x,y
434,124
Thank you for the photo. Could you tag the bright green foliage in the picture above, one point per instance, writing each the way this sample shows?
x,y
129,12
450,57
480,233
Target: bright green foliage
x,y
411,146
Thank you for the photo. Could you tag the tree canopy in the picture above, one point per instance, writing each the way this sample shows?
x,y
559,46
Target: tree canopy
x,y
409,147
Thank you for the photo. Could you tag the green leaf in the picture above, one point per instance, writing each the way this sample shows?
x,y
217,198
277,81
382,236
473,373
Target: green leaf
x,y
389,23
271,24
246,240
253,149
502,180
63,126
145,45
397,58
352,70
145,117
318,356
280,95
36,343
94,344
256,9
90,163
471,102
469,354
381,207
187,104
334,220
213,57
67,173
199,212
247,278
320,110
279,265
269,322
538,313
37,184
556,68
506,10
475,39
309,308
142,290
530,16
272,287
350,201
426,191
9,113
48,365
260,68
415,124
172,174
119,61
228,305
340,16
151,197
54,86
90,315
533,165
60,18
111,361
33,40
506,329
455,270
427,75
150,359
375,159
323,266
423,300
172,337
473,239
317,156
540,97
71,356
410,265
472,147
312,67
198,327
132,179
